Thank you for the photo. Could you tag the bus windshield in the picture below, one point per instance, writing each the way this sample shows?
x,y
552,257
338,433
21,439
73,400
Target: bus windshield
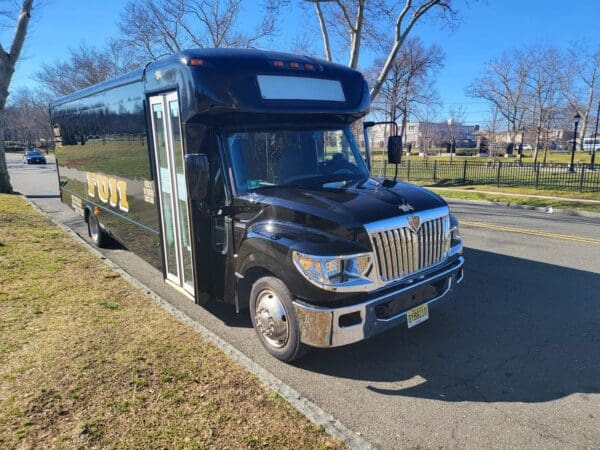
x,y
299,158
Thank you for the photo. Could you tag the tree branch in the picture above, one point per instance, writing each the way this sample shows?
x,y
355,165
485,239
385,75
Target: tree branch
x,y
356,35
21,31
324,32
400,37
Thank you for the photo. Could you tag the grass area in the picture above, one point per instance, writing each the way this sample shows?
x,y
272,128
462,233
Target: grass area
x,y
531,191
466,194
87,361
125,158
552,157
486,172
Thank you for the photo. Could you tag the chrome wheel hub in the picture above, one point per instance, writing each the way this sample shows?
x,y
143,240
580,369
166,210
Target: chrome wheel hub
x,y
271,319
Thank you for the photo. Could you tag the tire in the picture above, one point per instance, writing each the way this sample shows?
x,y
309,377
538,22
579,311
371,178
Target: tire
x,y
98,235
271,303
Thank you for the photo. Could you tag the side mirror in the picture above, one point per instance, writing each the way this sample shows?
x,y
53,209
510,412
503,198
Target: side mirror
x,y
394,148
197,175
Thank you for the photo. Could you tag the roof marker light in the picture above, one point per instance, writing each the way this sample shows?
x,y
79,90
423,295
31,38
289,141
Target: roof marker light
x,y
294,65
309,67
278,63
196,62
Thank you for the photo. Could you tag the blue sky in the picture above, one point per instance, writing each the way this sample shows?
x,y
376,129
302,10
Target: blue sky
x,y
487,28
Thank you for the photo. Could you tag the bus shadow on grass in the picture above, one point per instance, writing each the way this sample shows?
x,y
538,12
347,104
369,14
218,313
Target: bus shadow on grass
x,y
517,331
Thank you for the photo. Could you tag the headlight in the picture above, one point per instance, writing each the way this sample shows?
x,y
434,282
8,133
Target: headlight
x,y
455,238
335,271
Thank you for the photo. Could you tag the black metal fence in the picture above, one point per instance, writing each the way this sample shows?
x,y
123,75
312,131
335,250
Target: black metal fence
x,y
582,177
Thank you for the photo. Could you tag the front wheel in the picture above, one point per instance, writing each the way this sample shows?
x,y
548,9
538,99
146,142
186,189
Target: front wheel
x,y
274,319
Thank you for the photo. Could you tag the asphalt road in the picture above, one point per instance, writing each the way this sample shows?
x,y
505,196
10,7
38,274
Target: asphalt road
x,y
512,361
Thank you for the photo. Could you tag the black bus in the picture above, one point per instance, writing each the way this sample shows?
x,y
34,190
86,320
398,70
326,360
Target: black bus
x,y
236,173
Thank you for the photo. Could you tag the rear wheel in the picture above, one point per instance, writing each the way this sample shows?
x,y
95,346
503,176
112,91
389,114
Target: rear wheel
x,y
274,319
98,235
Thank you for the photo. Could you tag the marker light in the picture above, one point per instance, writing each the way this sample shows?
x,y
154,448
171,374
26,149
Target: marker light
x,y
196,62
278,63
309,67
294,65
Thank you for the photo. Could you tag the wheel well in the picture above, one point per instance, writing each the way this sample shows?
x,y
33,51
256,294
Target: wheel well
x,y
246,283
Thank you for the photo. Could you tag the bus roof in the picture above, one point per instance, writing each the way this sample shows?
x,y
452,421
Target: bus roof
x,y
247,80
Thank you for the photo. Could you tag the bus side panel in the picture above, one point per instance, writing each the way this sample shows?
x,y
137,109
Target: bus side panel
x,y
104,162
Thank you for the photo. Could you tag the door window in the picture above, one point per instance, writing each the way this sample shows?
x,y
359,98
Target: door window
x,y
168,146
165,182
182,203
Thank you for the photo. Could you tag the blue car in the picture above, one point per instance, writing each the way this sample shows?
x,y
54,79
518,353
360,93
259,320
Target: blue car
x,y
34,157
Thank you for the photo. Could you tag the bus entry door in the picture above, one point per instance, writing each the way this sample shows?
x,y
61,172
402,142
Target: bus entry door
x,y
174,209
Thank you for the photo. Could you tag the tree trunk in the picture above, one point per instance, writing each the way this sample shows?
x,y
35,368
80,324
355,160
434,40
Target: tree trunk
x,y
583,128
7,64
324,32
546,145
403,126
5,186
356,36
536,146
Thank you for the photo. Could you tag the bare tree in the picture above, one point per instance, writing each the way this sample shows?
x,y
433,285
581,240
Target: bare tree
x,y
384,24
429,129
581,82
158,27
84,67
504,85
493,124
27,119
543,85
8,60
409,86
454,124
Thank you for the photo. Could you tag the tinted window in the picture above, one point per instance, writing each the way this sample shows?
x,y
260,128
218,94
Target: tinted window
x,y
293,157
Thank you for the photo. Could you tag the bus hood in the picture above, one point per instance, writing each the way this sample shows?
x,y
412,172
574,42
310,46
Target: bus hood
x,y
342,208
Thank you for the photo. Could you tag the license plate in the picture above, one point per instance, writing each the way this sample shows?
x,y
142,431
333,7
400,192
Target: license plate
x,y
417,315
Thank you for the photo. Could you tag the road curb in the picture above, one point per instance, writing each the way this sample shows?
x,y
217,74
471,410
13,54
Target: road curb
x,y
548,210
310,410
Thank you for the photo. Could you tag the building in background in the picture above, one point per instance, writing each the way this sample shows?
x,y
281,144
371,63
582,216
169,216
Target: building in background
x,y
423,136
426,135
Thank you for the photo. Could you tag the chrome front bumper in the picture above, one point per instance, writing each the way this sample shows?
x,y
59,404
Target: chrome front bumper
x,y
323,327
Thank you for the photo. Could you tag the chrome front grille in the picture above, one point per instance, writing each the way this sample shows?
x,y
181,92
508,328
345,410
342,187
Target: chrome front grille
x,y
400,251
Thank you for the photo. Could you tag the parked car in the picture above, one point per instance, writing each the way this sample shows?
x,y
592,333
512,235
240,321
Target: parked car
x,y
34,157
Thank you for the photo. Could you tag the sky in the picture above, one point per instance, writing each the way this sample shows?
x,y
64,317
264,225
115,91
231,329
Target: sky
x,y
487,28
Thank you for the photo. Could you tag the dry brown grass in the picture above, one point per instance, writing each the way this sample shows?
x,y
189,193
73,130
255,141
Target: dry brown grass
x,y
87,361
